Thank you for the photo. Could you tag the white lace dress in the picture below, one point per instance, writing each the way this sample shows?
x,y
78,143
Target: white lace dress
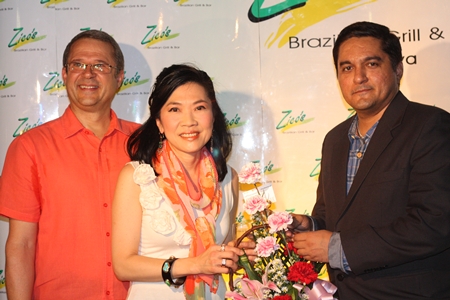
x,y
163,236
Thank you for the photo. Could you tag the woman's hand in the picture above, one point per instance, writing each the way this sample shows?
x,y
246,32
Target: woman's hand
x,y
218,259
248,246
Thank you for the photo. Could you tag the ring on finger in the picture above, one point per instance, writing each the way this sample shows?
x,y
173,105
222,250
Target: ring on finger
x,y
224,262
222,247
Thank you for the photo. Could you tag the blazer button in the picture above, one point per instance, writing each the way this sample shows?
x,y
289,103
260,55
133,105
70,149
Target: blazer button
x,y
340,276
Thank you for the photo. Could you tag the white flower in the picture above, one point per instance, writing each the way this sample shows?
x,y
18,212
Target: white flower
x,y
162,222
150,197
144,174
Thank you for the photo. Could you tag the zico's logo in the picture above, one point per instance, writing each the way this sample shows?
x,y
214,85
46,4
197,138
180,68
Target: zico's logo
x,y
2,276
4,83
154,36
352,112
88,28
269,168
22,38
24,127
131,82
289,121
54,84
180,1
114,2
258,14
235,122
316,171
51,2
302,14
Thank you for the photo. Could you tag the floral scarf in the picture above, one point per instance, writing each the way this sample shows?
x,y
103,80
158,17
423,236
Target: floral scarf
x,y
183,196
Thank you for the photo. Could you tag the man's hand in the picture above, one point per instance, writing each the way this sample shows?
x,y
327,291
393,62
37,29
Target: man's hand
x,y
300,223
313,245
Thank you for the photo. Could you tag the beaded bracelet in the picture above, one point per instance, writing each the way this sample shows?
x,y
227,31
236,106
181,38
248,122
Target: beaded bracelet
x,y
166,272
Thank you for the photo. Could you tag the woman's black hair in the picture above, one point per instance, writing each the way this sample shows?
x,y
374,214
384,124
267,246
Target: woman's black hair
x,y
143,143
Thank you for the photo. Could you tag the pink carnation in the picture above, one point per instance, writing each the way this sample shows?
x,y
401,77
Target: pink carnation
x,y
255,204
279,221
266,246
250,173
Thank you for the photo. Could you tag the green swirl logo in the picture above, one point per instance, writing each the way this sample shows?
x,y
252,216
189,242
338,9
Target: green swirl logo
x,y
4,84
22,38
132,81
290,120
154,36
258,14
54,84
234,122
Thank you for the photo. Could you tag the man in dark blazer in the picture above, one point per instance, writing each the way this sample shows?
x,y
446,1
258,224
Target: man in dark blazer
x,y
382,216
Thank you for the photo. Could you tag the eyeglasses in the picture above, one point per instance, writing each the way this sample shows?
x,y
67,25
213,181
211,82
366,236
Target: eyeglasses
x,y
77,67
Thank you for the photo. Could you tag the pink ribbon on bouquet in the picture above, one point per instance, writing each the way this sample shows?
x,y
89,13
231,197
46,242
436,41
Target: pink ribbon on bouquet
x,y
321,290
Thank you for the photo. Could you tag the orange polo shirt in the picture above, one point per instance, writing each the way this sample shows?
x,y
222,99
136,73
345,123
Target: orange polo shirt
x,y
63,177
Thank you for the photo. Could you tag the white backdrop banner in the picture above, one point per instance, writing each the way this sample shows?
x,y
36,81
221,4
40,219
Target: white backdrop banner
x,y
270,60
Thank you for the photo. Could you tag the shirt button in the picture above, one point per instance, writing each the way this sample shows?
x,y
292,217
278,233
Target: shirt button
x,y
340,277
108,234
109,264
107,292
105,204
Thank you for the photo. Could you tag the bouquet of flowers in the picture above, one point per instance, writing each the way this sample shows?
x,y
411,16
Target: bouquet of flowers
x,y
278,272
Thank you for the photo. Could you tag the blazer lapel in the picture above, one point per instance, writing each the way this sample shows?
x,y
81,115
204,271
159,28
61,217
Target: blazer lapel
x,y
339,159
379,141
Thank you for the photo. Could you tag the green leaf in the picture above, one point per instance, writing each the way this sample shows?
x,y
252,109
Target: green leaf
x,y
293,292
245,263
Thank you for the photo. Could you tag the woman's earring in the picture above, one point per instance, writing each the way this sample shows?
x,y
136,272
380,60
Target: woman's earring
x,y
161,138
211,144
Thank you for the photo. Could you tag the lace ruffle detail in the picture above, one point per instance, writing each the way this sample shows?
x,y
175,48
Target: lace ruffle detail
x,y
144,174
151,198
162,222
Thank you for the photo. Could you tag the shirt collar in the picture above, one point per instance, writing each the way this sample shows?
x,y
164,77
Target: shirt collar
x,y
71,124
352,131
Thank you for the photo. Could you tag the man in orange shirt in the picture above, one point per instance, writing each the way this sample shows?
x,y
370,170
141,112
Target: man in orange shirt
x,y
58,182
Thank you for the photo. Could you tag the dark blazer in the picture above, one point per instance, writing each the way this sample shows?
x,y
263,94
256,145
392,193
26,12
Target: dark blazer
x,y
395,221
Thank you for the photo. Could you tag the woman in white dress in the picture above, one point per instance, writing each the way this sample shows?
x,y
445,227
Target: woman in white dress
x,y
175,203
